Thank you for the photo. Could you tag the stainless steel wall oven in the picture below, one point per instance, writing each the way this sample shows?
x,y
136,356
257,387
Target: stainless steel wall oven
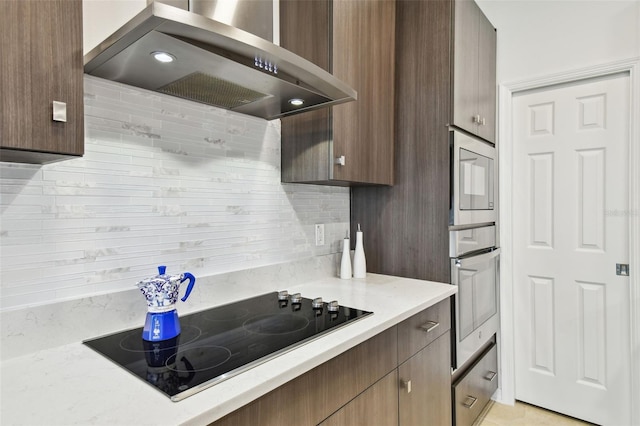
x,y
475,267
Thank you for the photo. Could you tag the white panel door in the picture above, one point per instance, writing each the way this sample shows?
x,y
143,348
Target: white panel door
x,y
571,223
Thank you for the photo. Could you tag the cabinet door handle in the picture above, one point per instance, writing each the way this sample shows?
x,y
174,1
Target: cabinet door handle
x,y
476,119
468,404
429,326
59,111
483,122
341,161
491,376
406,384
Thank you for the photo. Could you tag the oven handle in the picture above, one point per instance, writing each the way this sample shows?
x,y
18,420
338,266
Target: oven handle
x,y
471,260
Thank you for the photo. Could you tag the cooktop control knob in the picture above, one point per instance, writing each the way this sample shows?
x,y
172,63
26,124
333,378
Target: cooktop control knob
x,y
283,295
317,303
296,298
333,306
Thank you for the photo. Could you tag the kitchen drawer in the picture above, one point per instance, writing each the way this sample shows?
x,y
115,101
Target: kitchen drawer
x,y
474,389
423,328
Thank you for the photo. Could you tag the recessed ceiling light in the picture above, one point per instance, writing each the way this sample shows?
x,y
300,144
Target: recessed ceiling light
x,y
296,101
163,57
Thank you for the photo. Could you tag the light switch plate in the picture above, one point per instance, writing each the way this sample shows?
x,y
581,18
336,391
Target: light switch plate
x,y
319,234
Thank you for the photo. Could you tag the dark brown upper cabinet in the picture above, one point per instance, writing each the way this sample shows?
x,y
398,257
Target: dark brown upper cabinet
x,y
474,71
41,81
349,144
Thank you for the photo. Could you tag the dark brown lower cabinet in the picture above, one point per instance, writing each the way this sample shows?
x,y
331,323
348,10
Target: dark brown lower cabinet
x,y
367,385
421,329
314,396
425,380
378,405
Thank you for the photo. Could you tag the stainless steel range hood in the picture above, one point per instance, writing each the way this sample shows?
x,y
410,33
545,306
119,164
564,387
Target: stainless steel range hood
x,y
213,63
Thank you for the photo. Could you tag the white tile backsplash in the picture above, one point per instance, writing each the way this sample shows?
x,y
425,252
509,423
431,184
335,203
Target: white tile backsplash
x,y
163,181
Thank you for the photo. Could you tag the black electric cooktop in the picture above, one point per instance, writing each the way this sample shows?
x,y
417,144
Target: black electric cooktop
x,y
221,342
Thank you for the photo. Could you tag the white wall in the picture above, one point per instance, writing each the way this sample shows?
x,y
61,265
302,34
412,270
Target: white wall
x,y
102,17
542,37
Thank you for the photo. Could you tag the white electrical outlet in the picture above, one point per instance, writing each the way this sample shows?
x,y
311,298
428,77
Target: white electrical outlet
x,y
319,234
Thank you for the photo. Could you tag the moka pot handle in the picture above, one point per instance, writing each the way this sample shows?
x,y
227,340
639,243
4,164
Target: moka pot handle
x,y
192,280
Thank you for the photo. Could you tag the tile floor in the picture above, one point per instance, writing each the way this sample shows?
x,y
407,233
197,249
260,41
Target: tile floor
x,y
523,415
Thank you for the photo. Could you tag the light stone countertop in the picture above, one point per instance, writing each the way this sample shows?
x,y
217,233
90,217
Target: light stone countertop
x,y
72,384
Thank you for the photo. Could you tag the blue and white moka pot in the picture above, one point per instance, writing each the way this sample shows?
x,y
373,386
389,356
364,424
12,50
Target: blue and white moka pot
x,y
161,292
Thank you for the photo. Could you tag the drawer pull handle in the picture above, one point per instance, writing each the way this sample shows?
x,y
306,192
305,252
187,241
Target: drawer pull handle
x,y
468,404
406,384
491,376
429,326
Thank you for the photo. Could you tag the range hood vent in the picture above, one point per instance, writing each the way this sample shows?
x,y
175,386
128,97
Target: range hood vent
x,y
213,63
212,91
